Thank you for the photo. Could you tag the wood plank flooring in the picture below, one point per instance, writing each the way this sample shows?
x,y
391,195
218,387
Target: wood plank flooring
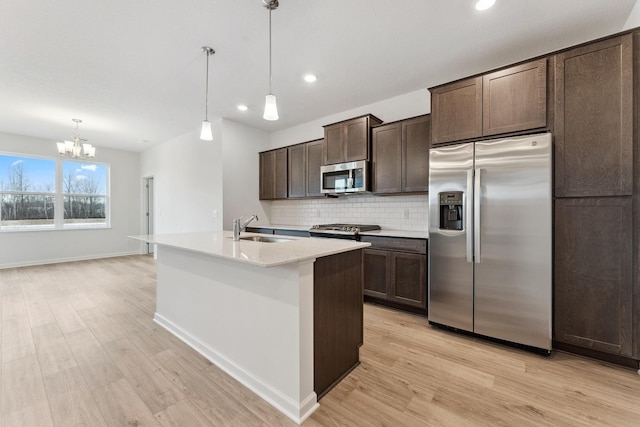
x,y
79,347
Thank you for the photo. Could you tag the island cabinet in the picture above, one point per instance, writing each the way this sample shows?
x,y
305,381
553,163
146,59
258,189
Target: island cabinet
x,y
395,272
273,174
349,140
400,156
304,169
509,100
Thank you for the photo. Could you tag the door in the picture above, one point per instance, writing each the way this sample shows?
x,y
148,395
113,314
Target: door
x,y
512,241
450,263
148,210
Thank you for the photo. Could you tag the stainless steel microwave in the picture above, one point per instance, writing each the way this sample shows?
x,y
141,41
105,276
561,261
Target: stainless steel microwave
x,y
343,178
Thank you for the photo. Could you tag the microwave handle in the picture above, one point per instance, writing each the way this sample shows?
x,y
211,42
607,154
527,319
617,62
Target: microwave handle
x,y
350,179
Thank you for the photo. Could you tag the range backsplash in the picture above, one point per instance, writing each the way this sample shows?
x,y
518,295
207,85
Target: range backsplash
x,y
409,213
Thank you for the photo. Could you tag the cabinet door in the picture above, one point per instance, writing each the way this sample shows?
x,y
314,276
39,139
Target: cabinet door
x,y
416,142
356,139
409,279
594,119
267,175
515,99
314,161
333,148
376,273
297,170
456,111
593,274
387,158
280,179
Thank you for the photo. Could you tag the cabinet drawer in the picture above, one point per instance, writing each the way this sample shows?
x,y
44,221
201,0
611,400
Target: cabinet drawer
x,y
418,246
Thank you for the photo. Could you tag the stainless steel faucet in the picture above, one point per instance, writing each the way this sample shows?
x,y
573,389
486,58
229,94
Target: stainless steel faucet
x,y
237,227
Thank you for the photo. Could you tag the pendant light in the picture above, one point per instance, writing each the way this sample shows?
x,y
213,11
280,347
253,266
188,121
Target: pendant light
x,y
205,133
270,107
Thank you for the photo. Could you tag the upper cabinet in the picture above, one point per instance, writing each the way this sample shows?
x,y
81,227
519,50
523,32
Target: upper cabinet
x,y
273,174
456,111
509,100
304,169
515,99
348,141
400,154
594,119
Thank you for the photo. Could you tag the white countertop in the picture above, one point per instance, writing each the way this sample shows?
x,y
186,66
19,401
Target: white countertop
x,y
382,233
220,244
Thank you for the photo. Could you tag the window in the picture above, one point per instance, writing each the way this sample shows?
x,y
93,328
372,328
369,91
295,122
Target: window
x,y
84,193
45,193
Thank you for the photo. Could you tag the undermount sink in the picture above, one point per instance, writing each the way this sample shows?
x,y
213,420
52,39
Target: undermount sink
x,y
265,239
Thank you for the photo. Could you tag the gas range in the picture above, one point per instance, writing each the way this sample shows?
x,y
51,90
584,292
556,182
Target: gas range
x,y
341,231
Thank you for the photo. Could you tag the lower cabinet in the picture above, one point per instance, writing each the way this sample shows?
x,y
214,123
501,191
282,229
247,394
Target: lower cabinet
x,y
593,286
395,272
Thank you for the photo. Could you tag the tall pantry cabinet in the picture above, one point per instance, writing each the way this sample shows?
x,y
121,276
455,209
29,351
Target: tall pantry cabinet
x,y
596,206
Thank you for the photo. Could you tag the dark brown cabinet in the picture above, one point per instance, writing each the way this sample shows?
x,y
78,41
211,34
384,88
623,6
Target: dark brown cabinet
x,y
594,119
456,111
395,272
515,99
348,140
509,100
273,174
400,154
304,169
593,293
314,161
297,170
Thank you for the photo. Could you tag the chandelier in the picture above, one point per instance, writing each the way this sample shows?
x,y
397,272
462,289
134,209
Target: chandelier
x,y
75,149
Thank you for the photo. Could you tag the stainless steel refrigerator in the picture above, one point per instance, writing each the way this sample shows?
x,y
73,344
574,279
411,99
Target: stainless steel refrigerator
x,y
490,211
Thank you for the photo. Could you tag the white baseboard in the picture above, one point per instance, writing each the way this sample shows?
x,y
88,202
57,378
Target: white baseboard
x,y
297,411
69,259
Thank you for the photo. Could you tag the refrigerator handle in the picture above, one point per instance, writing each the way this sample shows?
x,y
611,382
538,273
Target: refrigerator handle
x,y
476,215
468,215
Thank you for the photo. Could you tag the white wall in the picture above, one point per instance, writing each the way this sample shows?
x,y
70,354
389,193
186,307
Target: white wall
x,y
241,173
47,246
400,107
187,180
634,17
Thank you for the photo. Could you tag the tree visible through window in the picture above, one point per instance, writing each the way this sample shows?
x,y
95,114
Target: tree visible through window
x,y
85,193
51,193
27,191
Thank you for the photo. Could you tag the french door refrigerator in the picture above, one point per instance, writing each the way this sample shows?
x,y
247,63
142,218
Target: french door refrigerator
x,y
490,211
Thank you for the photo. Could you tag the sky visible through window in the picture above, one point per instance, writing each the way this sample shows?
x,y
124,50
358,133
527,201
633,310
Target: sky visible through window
x,y
39,174
85,175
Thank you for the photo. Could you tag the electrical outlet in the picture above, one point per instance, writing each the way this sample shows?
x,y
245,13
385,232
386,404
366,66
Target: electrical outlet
x,y
317,213
215,213
405,214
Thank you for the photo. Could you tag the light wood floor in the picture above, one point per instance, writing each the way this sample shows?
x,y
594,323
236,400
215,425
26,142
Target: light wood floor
x,y
79,348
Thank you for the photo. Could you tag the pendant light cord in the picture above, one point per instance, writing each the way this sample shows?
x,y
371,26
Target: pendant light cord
x,y
206,93
270,79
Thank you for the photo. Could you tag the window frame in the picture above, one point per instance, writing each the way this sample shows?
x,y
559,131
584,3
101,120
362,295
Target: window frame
x,y
58,195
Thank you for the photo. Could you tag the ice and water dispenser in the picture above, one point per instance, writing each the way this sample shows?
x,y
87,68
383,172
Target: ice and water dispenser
x,y
451,210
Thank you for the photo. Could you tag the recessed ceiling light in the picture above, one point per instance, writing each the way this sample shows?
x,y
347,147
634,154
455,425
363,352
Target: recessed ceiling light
x,y
310,78
243,107
484,4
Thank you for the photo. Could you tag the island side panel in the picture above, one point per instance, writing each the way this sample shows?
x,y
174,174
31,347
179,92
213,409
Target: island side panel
x,y
255,323
337,296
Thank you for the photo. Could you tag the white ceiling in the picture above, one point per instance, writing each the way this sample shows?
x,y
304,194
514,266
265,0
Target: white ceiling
x,y
133,70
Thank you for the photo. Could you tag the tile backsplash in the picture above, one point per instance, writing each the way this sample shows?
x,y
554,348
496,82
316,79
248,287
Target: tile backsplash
x,y
408,213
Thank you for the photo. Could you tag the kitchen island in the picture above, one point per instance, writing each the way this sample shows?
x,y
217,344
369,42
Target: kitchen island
x,y
283,317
